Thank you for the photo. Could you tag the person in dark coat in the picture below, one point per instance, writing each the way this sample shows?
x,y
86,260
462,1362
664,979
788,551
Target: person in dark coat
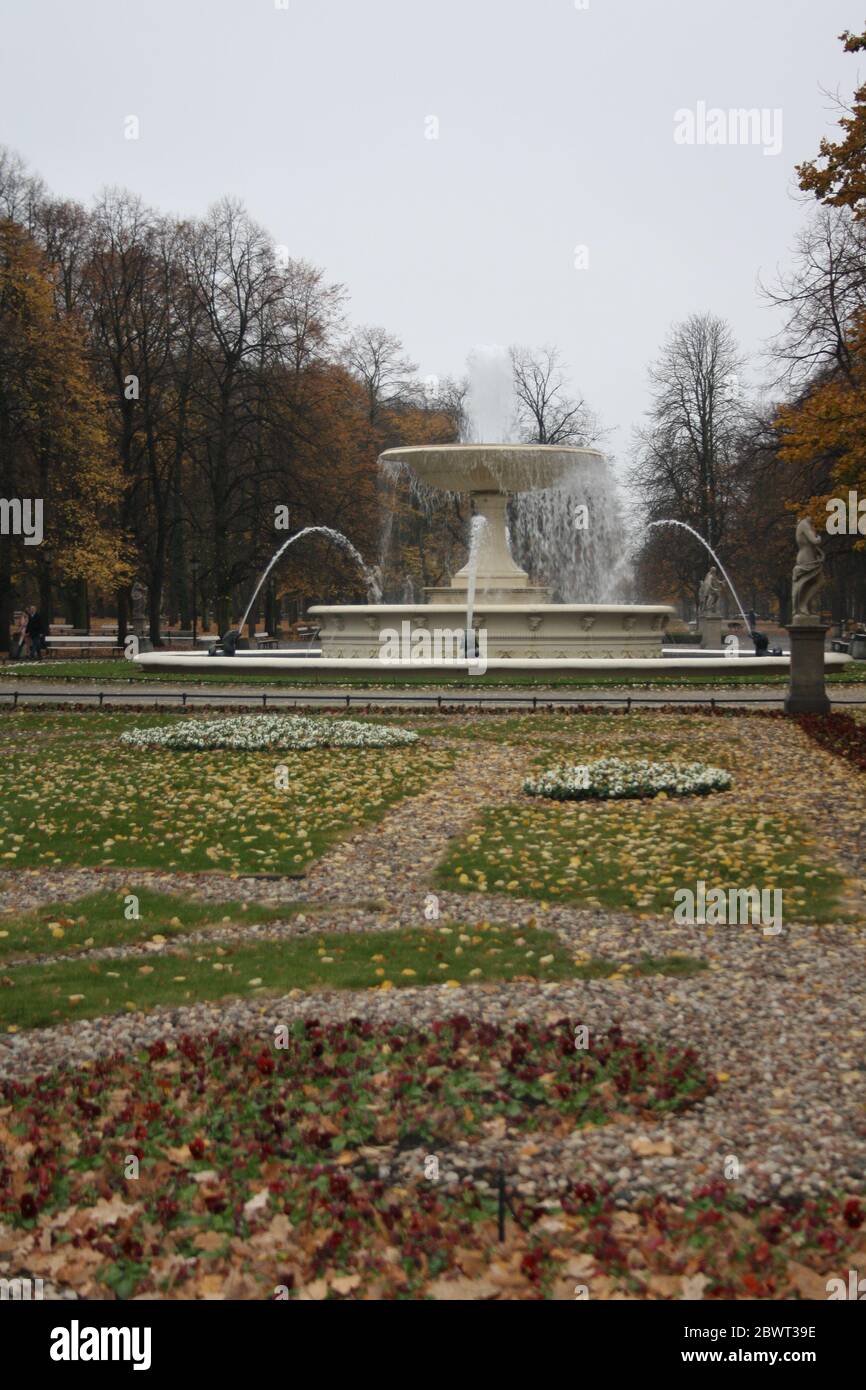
x,y
36,633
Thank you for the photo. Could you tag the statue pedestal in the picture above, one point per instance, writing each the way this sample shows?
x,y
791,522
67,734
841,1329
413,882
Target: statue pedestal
x,y
711,632
807,693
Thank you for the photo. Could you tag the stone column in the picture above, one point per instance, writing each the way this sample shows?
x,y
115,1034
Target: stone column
x,y
711,631
807,693
495,567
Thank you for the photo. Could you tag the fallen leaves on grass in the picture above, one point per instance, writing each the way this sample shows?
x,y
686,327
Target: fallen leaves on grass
x,y
267,1157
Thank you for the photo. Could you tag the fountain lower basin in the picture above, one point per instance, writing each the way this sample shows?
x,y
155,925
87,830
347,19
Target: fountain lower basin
x,y
525,632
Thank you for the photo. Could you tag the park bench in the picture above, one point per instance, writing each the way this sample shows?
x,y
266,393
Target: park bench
x,y
84,644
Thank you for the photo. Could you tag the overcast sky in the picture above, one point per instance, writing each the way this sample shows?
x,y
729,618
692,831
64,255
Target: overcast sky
x,y
556,130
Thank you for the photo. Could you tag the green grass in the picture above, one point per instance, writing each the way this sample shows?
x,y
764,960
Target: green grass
x,y
73,795
681,967
99,920
635,855
580,737
125,672
34,996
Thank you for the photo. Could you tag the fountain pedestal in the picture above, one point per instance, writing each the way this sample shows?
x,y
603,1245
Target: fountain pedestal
x,y
807,693
711,632
497,576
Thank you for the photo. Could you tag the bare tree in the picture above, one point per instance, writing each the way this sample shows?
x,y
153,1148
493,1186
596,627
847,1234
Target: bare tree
x,y
20,191
312,313
545,411
685,460
377,359
821,296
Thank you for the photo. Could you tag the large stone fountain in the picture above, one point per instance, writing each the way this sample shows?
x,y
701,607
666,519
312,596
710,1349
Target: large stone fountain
x,y
515,617
514,626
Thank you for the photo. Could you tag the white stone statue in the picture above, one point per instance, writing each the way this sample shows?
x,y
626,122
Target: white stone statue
x,y
138,594
809,577
710,595
374,580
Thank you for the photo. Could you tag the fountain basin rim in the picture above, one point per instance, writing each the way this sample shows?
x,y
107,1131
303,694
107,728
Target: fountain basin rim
x,y
454,609
498,468
179,661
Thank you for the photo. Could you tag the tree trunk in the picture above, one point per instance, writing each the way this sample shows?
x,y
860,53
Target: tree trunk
x,y
122,614
5,594
154,603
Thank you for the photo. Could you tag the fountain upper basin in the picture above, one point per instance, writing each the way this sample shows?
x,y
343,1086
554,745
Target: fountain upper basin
x,y
490,467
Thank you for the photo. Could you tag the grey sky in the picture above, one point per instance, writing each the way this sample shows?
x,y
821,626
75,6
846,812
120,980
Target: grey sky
x,y
556,129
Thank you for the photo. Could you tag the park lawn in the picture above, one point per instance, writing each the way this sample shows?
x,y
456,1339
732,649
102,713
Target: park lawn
x,y
70,800
35,996
99,919
635,855
598,727
583,737
125,672
105,724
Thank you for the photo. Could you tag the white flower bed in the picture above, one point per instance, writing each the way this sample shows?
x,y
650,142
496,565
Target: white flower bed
x,y
611,778
254,732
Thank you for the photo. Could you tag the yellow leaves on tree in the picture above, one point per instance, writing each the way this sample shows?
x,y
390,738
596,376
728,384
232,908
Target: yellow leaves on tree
x,y
53,443
829,424
840,181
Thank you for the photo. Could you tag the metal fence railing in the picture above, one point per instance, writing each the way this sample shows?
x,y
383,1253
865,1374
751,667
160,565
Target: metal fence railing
x,y
270,699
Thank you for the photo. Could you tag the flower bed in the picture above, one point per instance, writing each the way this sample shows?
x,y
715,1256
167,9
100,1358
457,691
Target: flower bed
x,y
610,779
257,1179
260,1154
839,733
254,732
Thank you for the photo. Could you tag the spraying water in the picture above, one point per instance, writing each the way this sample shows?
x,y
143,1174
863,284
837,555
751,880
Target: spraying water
x,y
476,530
373,585
668,521
490,412
572,537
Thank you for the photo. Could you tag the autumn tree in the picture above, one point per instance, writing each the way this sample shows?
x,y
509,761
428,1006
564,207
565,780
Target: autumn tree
x,y
824,431
233,393
821,430
140,344
838,176
53,444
